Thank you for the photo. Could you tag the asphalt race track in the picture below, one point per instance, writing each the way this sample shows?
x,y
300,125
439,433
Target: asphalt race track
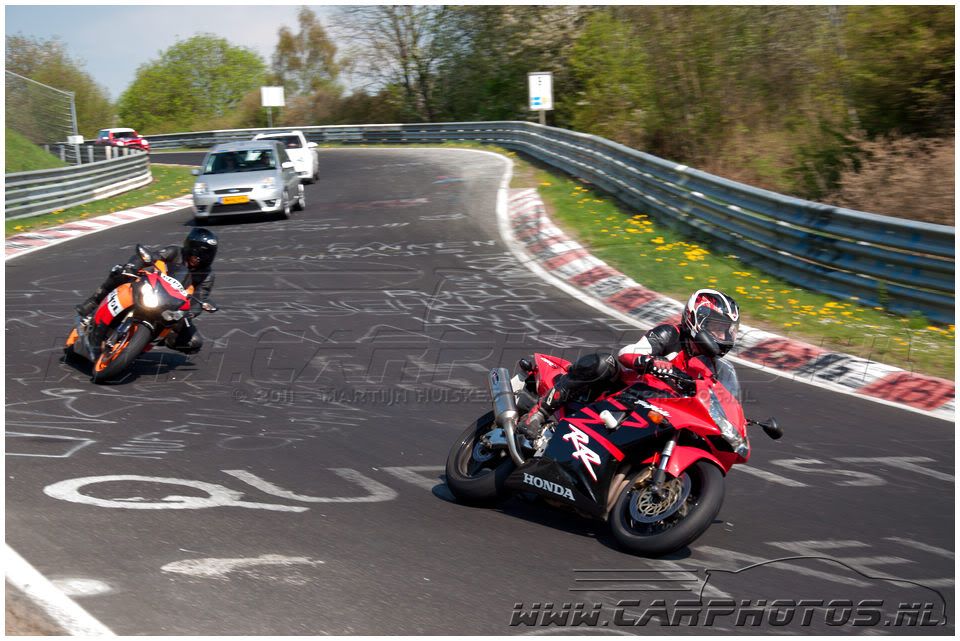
x,y
288,479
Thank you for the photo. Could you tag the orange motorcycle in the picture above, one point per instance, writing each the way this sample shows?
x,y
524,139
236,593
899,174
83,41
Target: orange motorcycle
x,y
132,319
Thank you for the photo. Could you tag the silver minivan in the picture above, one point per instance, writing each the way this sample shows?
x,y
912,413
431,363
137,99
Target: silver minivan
x,y
249,177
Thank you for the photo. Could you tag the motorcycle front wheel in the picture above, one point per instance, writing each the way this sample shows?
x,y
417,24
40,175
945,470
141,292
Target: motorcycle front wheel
x,y
120,355
475,474
650,526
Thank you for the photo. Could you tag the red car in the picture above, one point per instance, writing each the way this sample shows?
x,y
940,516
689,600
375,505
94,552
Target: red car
x,y
122,137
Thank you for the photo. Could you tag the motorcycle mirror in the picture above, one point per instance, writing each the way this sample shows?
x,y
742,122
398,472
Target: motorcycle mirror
x,y
145,254
772,429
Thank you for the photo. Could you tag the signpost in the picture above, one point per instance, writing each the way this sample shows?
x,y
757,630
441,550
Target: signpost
x,y
540,84
271,97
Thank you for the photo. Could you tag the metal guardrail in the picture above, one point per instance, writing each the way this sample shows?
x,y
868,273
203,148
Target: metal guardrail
x,y
905,266
30,193
85,153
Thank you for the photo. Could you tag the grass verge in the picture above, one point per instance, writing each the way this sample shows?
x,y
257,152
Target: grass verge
x,y
22,155
653,255
168,182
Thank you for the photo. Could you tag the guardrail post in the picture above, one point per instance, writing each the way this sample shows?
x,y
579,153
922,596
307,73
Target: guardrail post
x,y
89,154
63,154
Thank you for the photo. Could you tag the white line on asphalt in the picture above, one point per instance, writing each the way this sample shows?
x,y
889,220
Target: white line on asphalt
x,y
65,612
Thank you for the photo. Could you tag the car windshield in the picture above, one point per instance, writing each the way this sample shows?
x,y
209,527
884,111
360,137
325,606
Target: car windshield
x,y
125,134
290,142
228,162
727,376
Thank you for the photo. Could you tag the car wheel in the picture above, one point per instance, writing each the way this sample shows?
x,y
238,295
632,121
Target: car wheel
x,y
301,202
286,209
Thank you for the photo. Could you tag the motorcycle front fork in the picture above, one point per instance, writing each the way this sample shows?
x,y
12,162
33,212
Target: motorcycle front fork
x,y
660,473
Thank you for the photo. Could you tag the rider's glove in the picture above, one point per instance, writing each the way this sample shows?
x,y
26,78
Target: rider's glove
x,y
650,365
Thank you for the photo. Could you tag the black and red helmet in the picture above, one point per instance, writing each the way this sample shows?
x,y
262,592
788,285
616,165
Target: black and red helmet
x,y
712,319
200,244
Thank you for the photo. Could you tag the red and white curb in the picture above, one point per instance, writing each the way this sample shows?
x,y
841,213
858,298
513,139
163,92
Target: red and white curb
x,y
559,257
20,244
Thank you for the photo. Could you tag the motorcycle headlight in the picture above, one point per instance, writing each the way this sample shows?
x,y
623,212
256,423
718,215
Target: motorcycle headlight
x,y
727,429
149,297
200,188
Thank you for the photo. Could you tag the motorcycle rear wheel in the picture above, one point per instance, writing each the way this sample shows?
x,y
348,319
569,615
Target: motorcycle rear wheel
x,y
115,361
472,480
700,499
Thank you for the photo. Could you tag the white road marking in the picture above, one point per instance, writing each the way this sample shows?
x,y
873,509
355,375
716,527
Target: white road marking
x,y
769,476
211,568
903,463
377,491
65,612
932,549
809,465
414,474
82,587
219,496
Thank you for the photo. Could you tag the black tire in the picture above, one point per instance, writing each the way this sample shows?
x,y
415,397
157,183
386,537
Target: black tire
x,y
285,209
138,338
676,531
473,482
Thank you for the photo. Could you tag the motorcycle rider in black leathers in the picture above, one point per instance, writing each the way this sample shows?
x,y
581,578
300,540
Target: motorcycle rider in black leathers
x,y
708,328
191,263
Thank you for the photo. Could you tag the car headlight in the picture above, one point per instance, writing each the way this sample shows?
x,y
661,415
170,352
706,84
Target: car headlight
x,y
120,143
200,189
144,142
149,297
729,432
268,183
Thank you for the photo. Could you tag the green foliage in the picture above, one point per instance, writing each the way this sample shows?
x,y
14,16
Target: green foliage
x,y
194,84
23,155
305,62
902,68
821,161
48,62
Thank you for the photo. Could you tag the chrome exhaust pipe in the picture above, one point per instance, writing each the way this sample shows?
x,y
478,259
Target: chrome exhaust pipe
x,y
505,409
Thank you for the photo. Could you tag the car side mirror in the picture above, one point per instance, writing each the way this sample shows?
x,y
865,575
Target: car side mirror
x,y
312,145
195,172
287,165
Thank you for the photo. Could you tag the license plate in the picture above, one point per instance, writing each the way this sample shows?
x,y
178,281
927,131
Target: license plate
x,y
234,200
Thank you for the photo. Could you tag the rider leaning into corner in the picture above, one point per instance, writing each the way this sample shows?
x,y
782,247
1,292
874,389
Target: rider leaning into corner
x,y
708,330
192,264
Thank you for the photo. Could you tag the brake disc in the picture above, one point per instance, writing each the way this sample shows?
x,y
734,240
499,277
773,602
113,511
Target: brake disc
x,y
645,508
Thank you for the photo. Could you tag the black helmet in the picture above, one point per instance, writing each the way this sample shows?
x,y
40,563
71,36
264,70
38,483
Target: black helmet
x,y
201,244
712,319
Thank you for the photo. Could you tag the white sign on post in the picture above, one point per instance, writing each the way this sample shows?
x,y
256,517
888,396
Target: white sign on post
x,y
74,140
271,97
541,90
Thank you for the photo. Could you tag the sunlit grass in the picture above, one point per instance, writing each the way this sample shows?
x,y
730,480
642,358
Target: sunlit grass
x,y
657,257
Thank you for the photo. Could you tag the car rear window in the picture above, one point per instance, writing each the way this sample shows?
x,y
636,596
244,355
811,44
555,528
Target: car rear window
x,y
226,162
290,142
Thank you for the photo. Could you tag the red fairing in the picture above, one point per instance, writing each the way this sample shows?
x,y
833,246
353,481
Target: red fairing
x,y
104,316
155,278
547,369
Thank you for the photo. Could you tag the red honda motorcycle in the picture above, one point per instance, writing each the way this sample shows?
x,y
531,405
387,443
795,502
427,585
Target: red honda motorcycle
x,y
650,457
131,319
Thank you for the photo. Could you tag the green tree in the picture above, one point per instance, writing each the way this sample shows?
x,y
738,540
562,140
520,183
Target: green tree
x,y
194,84
48,61
902,68
305,62
398,45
